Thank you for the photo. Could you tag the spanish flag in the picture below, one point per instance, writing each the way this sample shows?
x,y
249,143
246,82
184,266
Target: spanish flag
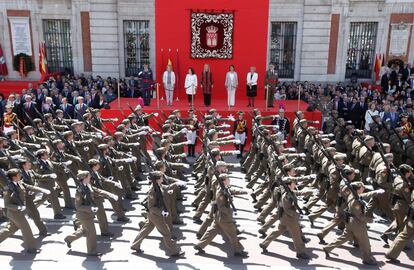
x,y
377,68
42,61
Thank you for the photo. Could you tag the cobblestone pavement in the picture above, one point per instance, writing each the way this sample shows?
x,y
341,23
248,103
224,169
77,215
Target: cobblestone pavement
x,y
54,252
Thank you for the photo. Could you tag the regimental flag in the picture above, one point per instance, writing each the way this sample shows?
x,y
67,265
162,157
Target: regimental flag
x,y
42,61
3,66
378,64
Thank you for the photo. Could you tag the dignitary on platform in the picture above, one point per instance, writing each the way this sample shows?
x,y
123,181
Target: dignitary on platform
x,y
147,83
271,82
190,86
251,87
206,84
168,79
231,86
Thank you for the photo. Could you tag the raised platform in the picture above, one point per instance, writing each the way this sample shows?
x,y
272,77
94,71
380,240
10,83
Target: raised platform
x,y
290,107
9,87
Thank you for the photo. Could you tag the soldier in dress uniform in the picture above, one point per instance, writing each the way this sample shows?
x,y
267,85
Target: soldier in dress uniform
x,y
86,210
240,133
147,83
271,82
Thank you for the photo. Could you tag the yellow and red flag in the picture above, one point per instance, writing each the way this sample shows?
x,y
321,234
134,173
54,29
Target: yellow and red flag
x,y
42,61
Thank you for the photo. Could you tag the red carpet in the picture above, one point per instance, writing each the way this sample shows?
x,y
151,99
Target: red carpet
x,y
9,87
221,105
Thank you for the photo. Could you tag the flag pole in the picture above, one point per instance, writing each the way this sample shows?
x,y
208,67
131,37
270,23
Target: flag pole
x,y
177,76
266,93
119,95
158,96
300,87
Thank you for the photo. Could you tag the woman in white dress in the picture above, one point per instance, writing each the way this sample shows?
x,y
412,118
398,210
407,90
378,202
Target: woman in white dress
x,y
372,111
231,86
190,85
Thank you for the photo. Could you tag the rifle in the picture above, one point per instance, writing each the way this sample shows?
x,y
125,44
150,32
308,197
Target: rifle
x,y
288,191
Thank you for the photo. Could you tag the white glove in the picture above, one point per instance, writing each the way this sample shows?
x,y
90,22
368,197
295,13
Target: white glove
x,y
37,146
183,155
134,159
313,176
21,208
302,155
237,141
86,148
46,191
225,125
164,213
16,156
188,142
114,197
320,132
68,162
333,142
291,149
225,132
142,133
99,135
316,122
128,160
380,191
356,171
186,166
284,142
236,152
369,179
184,130
136,144
120,168
331,135
156,114
53,176
94,209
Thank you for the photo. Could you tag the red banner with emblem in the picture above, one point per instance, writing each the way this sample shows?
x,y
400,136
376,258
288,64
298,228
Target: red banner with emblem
x,y
3,66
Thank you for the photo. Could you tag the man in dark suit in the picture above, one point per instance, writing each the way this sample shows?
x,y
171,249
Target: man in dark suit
x,y
406,72
68,110
393,116
354,112
28,109
343,107
94,103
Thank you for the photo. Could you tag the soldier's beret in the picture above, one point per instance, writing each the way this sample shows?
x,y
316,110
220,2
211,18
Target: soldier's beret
x,y
389,156
175,111
76,124
311,128
404,168
120,127
281,157
368,138
12,172
125,121
348,170
37,120
191,111
2,139
93,162
160,151
240,113
59,111
67,133
265,132
86,115
211,132
22,161
386,145
331,149
208,117
404,115
8,106
325,140
155,175
357,185
215,152
349,127
339,156
288,167
164,142
82,174
211,111
166,135
107,138
138,107
10,132
57,141
171,117
48,115
95,110
221,163
131,116
103,146
399,129
158,164
302,121
222,177
118,134
40,152
299,112
27,128
288,180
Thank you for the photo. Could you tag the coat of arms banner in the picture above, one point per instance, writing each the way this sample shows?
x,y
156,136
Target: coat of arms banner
x,y
212,35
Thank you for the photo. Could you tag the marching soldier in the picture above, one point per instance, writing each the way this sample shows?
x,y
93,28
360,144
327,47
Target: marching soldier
x,y
240,133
